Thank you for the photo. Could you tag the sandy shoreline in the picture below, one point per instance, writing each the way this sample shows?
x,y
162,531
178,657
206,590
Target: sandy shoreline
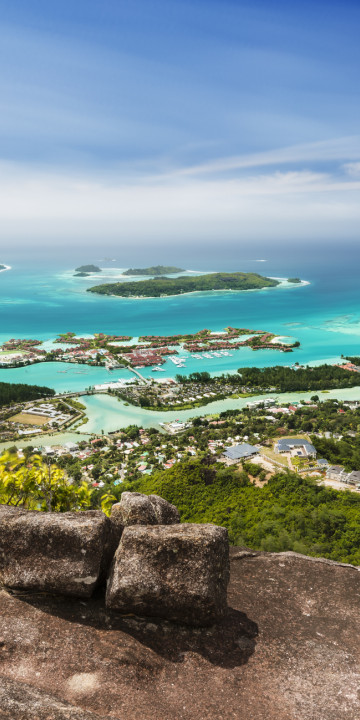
x,y
6,267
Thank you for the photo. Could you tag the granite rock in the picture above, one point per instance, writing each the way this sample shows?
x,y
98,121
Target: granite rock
x,y
137,509
66,553
22,702
286,649
177,572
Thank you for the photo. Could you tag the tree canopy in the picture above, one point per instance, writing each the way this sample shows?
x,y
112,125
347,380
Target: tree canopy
x,y
288,513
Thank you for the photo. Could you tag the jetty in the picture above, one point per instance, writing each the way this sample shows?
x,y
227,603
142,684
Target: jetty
x,y
144,380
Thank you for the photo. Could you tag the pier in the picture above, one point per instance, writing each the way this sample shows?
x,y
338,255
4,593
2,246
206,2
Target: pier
x,y
146,382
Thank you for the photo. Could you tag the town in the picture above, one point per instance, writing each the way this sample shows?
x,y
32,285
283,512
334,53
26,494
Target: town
x,y
114,351
311,438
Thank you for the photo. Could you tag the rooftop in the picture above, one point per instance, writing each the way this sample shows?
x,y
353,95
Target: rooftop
x,y
236,452
285,444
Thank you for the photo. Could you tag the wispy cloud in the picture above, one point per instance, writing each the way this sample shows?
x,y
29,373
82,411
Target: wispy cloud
x,y
315,152
352,169
274,205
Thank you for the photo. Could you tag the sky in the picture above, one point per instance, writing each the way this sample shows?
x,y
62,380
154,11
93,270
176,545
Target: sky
x,y
174,121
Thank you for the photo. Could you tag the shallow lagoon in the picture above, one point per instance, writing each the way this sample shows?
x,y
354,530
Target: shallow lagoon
x,y
45,300
108,414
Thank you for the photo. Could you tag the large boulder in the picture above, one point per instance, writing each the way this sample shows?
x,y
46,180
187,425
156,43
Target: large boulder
x,y
177,572
67,553
137,509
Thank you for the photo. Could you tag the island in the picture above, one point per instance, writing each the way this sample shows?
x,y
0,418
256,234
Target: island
x,y
87,269
164,286
155,270
81,274
2,267
294,280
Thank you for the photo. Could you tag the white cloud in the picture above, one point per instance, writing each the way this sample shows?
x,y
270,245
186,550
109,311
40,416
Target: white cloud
x,y
50,206
322,151
352,169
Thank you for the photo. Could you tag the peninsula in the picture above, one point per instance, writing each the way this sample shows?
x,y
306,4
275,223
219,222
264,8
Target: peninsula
x,y
164,286
155,270
87,269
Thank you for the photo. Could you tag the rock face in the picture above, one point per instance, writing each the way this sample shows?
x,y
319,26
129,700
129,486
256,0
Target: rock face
x,y
137,509
24,702
66,553
287,649
178,572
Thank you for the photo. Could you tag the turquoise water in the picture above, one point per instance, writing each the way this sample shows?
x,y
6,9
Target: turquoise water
x,y
324,316
107,414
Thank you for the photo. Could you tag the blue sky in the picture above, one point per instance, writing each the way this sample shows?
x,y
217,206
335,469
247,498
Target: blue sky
x,y
149,118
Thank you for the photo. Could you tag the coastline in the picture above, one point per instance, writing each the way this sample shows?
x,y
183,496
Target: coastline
x,y
283,283
6,267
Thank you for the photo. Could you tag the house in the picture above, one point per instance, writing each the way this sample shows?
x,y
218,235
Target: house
x,y
296,447
353,478
236,453
323,463
337,472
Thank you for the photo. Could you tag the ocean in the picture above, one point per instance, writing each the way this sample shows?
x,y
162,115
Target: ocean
x,y
40,297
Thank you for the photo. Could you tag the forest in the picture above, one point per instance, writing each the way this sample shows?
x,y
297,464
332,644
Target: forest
x,y
19,392
158,287
290,379
287,513
155,270
339,452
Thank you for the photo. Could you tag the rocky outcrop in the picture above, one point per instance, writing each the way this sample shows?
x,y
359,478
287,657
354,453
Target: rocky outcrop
x,y
137,509
178,572
286,649
19,701
66,553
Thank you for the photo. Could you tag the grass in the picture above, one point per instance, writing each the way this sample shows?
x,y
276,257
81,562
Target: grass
x,y
29,419
269,453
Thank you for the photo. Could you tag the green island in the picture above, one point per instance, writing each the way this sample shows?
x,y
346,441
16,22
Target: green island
x,y
81,274
164,286
154,270
2,267
294,280
87,269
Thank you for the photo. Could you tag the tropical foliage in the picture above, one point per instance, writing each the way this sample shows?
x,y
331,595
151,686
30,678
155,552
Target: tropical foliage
x,y
287,379
154,270
184,284
287,513
35,485
19,392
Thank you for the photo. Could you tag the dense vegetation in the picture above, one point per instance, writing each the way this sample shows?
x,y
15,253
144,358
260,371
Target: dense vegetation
x,y
158,287
355,359
35,485
155,270
294,280
343,452
286,379
19,392
288,513
88,269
